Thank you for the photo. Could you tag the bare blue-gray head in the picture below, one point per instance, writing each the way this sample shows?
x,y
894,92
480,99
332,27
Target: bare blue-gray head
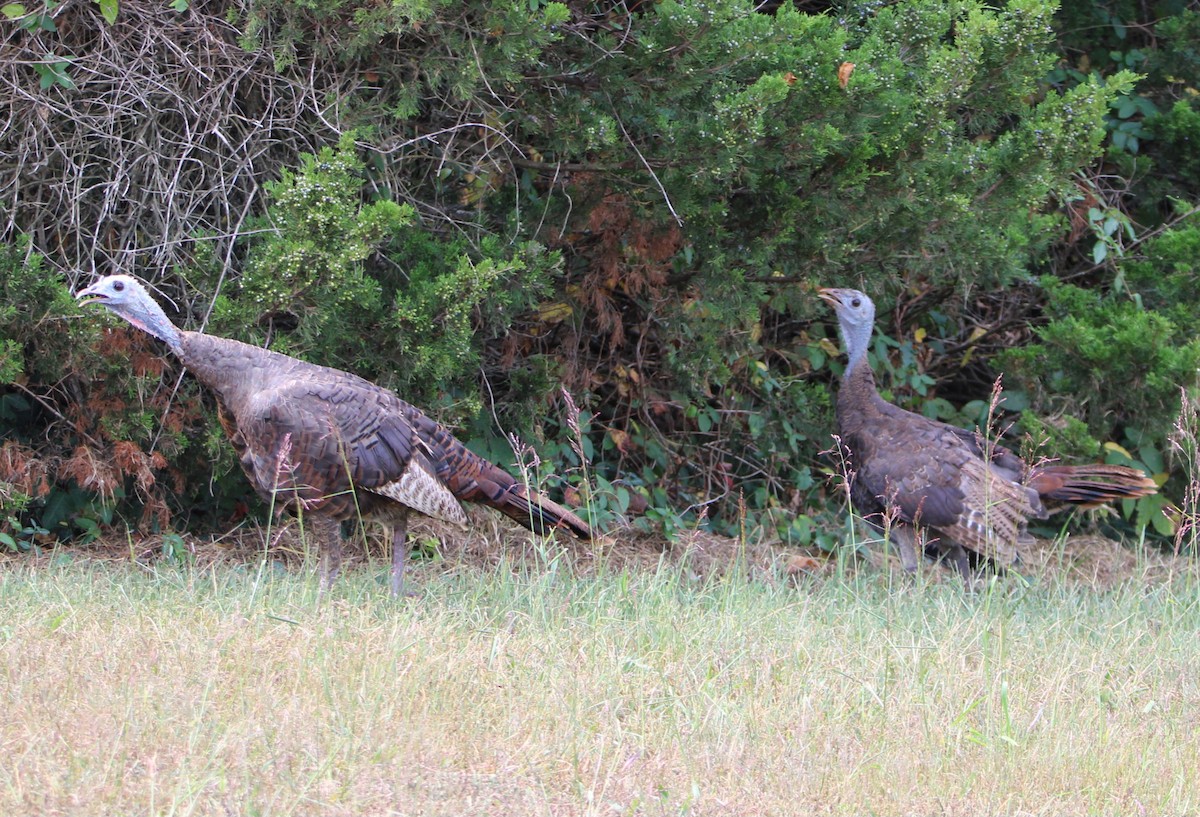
x,y
856,317
125,296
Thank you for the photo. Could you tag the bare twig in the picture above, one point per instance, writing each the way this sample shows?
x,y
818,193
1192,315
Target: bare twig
x,y
649,169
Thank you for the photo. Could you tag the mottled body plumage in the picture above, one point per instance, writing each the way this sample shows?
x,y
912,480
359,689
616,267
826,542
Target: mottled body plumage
x,y
911,475
329,446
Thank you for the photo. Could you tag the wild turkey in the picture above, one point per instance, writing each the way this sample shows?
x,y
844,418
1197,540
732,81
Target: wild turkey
x,y
329,446
910,475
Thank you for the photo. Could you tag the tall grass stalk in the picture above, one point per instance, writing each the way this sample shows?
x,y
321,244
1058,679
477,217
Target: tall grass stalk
x,y
1185,447
539,692
588,509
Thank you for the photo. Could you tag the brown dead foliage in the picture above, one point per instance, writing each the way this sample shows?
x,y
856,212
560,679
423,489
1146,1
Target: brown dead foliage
x,y
21,467
629,256
138,464
1077,213
118,342
91,472
155,513
147,364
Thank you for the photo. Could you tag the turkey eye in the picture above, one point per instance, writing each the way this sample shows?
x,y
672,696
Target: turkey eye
x,y
856,303
119,286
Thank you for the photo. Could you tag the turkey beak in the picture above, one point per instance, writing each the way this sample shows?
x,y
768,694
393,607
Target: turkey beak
x,y
830,296
89,295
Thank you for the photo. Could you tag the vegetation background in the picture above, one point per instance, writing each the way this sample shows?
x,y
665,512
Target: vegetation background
x,y
504,210
483,204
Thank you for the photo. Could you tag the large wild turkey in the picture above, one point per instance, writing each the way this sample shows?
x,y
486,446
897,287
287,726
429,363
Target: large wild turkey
x,y
917,478
329,446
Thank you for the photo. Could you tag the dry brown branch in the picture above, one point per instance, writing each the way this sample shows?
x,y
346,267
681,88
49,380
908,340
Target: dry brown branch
x,y
169,137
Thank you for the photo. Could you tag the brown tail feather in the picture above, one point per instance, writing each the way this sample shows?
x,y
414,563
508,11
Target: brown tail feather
x,y
1090,485
542,515
473,479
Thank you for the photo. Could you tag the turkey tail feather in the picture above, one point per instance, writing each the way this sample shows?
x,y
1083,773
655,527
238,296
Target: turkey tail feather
x,y
1090,485
541,515
471,478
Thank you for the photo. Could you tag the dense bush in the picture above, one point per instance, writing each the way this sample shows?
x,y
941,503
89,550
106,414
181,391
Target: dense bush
x,y
635,201
362,287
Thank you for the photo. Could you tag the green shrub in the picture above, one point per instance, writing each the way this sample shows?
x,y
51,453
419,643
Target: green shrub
x,y
934,167
1118,365
1107,359
636,202
363,287
50,485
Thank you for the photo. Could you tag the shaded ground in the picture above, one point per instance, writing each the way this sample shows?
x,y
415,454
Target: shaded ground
x,y
1085,559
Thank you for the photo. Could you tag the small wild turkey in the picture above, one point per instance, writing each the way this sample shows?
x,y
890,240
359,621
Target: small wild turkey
x,y
911,475
329,446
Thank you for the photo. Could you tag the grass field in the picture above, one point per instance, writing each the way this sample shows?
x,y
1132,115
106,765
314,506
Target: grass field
x,y
537,690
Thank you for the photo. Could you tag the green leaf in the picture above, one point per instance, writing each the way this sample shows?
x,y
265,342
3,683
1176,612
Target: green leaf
x,y
622,499
59,76
1151,507
1152,457
89,529
180,5
12,10
58,509
108,9
53,71
1015,400
1099,252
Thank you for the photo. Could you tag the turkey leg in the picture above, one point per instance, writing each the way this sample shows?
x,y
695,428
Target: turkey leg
x,y
399,552
904,538
328,535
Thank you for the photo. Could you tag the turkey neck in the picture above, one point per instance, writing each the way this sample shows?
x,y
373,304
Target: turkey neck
x,y
236,371
858,400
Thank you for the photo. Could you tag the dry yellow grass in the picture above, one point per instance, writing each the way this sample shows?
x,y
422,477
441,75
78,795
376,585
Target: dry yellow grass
x,y
541,691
